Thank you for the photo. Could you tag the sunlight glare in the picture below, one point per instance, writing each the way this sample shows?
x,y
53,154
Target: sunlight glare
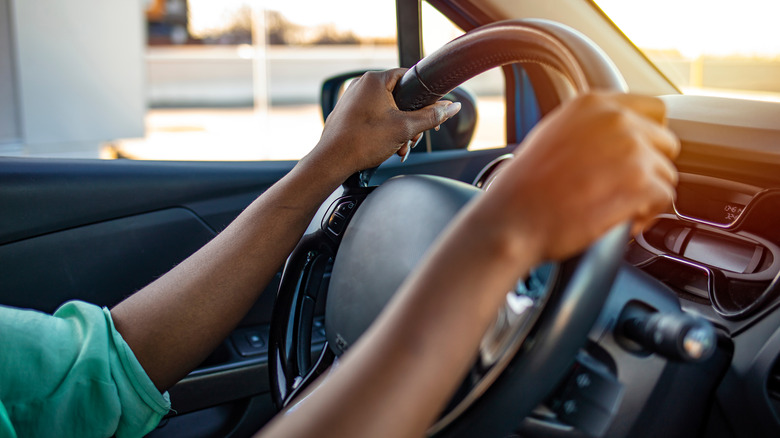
x,y
700,27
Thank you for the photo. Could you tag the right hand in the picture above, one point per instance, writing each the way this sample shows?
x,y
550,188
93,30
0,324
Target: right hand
x,y
366,127
598,160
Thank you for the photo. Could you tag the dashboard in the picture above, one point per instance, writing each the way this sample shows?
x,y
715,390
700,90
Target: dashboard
x,y
714,254
718,246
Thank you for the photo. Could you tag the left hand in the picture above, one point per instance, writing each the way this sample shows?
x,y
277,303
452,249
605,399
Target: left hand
x,y
366,127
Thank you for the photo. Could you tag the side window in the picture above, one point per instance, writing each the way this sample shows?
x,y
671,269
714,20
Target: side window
x,y
229,81
198,79
72,76
487,89
181,79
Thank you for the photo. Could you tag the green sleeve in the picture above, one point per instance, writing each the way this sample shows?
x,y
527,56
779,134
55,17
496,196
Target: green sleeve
x,y
73,373
6,428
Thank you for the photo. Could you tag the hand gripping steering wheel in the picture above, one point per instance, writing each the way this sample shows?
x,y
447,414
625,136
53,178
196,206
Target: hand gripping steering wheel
x,y
362,235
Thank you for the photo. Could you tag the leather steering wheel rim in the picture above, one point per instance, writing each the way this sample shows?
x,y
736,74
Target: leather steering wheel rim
x,y
541,42
561,331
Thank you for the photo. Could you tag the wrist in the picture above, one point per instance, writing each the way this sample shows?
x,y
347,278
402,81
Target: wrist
x,y
325,168
504,235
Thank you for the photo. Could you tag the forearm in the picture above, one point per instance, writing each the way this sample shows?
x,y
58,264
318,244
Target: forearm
x,y
398,377
175,322
172,324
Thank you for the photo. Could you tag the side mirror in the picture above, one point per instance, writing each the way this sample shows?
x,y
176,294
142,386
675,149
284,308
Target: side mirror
x,y
455,133
333,88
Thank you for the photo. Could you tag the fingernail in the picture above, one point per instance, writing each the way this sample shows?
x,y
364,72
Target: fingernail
x,y
408,149
452,109
416,140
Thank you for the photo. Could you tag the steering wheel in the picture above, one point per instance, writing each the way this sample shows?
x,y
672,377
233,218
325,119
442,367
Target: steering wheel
x,y
362,235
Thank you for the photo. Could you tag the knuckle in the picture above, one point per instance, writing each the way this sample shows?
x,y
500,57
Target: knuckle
x,y
660,106
675,175
644,182
373,76
635,141
676,144
590,99
638,177
597,103
619,119
436,116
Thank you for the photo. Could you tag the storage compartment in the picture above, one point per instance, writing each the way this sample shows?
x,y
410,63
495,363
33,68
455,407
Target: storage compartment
x,y
723,252
709,248
730,268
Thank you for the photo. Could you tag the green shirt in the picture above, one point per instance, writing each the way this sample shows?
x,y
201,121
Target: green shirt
x,y
72,375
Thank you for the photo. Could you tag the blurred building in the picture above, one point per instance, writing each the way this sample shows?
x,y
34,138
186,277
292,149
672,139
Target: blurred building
x,y
167,22
71,75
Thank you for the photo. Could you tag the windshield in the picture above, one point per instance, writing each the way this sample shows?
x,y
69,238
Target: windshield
x,y
712,47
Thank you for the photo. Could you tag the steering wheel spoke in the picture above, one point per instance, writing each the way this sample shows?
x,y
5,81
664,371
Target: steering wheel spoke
x,y
303,286
302,384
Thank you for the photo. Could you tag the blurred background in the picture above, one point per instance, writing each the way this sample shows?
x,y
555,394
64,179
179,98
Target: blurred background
x,y
240,79
195,79
246,73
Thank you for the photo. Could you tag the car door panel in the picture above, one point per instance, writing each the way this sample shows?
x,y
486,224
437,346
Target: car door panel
x,y
42,196
100,263
100,230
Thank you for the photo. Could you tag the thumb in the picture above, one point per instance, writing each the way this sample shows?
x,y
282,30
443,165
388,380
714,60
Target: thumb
x,y
431,116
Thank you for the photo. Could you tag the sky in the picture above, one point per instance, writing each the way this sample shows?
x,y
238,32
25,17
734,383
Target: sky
x,y
375,18
693,27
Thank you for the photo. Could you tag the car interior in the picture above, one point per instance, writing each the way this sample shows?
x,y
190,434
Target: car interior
x,y
675,331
